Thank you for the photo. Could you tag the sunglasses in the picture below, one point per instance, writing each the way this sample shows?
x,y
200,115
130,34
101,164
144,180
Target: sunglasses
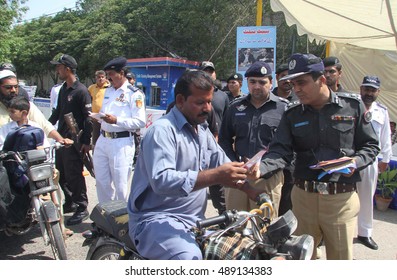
x,y
10,86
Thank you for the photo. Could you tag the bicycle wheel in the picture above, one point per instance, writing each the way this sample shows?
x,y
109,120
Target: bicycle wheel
x,y
57,240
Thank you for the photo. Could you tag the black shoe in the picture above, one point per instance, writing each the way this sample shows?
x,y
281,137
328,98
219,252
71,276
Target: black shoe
x,y
368,241
69,208
77,218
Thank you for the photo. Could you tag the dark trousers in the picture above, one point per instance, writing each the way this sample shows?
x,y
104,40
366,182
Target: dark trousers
x,y
137,141
285,201
217,195
96,130
71,178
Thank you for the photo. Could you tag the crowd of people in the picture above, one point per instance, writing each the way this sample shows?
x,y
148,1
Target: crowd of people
x,y
201,144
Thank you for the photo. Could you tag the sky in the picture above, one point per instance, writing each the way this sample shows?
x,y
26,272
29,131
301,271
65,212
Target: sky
x,y
39,8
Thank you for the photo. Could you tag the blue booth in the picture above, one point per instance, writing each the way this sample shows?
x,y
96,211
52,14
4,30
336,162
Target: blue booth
x,y
157,78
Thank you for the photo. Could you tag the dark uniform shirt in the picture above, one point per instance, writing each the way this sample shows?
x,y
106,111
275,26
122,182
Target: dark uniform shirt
x,y
231,97
220,102
292,97
248,128
338,129
75,99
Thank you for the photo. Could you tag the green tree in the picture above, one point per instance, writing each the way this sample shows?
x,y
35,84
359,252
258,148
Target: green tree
x,y
11,12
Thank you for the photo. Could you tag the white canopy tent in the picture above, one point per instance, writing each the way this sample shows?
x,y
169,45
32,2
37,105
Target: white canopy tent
x,y
362,33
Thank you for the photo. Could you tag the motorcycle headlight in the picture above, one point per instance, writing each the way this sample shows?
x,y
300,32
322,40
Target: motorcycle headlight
x,y
298,247
40,172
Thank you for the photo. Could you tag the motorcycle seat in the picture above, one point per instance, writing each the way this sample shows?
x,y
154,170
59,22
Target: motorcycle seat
x,y
112,217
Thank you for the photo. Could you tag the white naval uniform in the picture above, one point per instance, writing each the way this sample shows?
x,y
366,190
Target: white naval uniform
x,y
113,157
369,176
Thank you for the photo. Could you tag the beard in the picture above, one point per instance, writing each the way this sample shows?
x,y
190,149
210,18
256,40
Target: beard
x,y
6,99
368,99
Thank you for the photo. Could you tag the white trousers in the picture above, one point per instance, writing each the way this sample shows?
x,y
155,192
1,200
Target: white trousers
x,y
113,160
366,190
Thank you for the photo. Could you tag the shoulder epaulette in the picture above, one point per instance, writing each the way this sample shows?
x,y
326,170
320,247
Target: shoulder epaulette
x,y
381,105
350,95
293,104
134,88
238,99
283,99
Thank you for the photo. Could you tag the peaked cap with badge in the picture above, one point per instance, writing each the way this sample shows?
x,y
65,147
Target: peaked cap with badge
x,y
235,76
258,69
301,64
331,61
116,64
371,81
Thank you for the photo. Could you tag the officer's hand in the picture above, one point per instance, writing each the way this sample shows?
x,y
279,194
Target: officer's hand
x,y
351,169
254,172
112,119
251,192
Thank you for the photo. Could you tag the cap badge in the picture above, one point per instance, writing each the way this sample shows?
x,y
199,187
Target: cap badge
x,y
235,76
292,64
263,70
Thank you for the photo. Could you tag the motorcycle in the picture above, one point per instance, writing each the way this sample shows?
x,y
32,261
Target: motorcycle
x,y
38,201
231,235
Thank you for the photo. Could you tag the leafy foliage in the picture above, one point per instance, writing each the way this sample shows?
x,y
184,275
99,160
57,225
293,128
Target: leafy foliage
x,y
387,183
99,30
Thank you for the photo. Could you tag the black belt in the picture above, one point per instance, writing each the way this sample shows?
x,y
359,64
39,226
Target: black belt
x,y
114,135
325,187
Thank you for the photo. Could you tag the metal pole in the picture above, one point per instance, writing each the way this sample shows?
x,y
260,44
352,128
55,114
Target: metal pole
x,y
259,12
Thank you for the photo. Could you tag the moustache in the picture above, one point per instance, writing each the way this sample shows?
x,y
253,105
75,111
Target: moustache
x,y
204,114
368,98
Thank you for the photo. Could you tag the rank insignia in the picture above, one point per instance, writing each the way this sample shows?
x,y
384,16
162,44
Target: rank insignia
x,y
241,107
367,116
120,98
139,102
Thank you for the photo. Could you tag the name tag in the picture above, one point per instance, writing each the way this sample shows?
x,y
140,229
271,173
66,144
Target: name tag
x,y
301,124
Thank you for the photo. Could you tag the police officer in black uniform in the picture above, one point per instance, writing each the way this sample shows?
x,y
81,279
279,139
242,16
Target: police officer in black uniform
x,y
248,127
322,126
73,97
234,84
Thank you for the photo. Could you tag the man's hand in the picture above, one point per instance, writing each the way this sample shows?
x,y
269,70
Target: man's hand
x,y
382,166
231,174
67,142
112,119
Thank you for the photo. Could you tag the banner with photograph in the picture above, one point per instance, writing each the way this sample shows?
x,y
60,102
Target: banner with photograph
x,y
255,43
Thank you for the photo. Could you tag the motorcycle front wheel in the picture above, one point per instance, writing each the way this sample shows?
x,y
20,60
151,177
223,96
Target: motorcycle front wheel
x,y
57,240
107,252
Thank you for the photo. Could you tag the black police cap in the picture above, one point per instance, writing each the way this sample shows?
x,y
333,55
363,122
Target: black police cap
x,y
331,61
235,76
258,69
281,68
116,64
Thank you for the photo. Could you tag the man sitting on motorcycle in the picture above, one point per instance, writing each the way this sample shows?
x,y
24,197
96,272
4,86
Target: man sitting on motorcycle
x,y
8,91
179,158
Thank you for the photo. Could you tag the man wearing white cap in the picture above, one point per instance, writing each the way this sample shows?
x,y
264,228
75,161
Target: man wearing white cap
x,y
369,90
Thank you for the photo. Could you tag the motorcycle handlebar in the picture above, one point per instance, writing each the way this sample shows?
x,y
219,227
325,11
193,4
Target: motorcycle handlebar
x,y
226,217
